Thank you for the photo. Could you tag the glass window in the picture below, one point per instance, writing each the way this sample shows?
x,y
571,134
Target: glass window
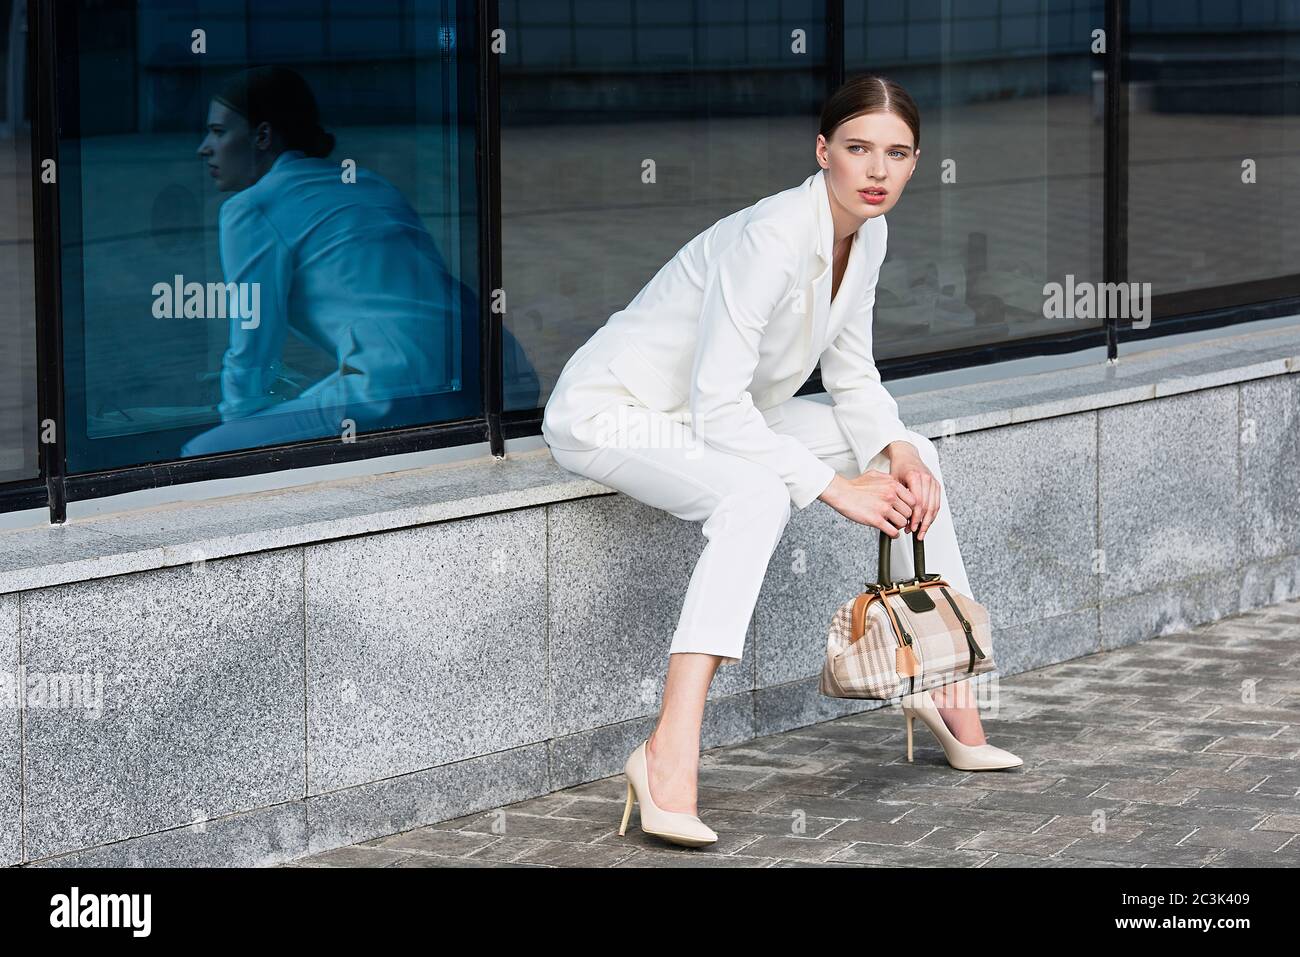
x,y
18,417
1214,149
1007,195
269,223
627,127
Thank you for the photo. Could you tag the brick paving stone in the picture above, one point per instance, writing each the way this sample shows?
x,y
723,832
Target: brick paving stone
x,y
1282,822
1152,738
432,840
837,808
1265,747
1163,758
947,837
1251,800
1231,838
433,860
1038,843
1221,780
507,849
976,819
355,856
1025,860
1190,816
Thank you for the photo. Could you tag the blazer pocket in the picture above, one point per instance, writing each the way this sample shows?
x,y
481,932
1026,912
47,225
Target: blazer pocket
x,y
641,379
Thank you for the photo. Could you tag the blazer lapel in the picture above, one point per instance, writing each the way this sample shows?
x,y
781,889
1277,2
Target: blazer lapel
x,y
815,330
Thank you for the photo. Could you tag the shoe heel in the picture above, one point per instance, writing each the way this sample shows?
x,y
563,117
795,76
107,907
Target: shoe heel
x,y
675,826
627,810
964,757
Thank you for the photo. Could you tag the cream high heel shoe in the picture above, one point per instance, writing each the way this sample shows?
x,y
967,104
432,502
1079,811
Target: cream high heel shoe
x,y
963,757
676,826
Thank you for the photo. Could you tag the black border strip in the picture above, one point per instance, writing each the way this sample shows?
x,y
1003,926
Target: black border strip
x,y
1114,230
42,40
489,183
834,45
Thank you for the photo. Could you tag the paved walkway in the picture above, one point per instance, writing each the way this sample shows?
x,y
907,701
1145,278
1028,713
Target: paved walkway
x,y
1184,746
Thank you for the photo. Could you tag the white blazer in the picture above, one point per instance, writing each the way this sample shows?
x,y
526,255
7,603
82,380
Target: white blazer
x,y
348,267
734,324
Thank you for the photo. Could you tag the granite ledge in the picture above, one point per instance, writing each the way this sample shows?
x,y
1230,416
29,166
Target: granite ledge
x,y
189,532
182,533
1137,377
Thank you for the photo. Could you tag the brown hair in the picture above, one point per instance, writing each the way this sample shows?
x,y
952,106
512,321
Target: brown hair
x,y
280,96
870,93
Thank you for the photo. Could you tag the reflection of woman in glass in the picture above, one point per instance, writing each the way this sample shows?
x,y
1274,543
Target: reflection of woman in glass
x,y
706,360
340,258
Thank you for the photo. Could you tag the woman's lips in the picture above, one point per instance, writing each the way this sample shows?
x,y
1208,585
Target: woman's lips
x,y
875,199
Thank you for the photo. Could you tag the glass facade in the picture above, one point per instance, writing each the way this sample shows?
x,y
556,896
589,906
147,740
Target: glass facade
x,y
627,128
1008,192
237,273
1214,134
283,227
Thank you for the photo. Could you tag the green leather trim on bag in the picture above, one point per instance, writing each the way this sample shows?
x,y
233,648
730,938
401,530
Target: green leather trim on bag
x,y
917,600
975,649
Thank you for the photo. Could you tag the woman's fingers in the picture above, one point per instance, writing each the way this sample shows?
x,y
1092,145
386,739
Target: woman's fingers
x,y
885,525
918,517
923,501
897,518
905,493
934,503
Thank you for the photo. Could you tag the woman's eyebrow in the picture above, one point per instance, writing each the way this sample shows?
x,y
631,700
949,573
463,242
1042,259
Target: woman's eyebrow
x,y
896,146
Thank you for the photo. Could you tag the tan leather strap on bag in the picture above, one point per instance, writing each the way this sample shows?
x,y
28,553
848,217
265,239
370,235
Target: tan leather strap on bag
x,y
860,614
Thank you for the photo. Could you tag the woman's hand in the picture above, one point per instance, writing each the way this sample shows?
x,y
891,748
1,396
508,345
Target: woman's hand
x,y
872,498
906,467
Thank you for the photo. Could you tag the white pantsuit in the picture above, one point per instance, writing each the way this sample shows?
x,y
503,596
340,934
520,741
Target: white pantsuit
x,y
685,401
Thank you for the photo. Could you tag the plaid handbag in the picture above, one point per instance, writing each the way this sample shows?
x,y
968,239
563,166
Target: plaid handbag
x,y
897,638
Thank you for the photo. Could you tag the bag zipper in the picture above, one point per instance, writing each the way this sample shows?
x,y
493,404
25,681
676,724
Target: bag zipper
x,y
892,615
916,651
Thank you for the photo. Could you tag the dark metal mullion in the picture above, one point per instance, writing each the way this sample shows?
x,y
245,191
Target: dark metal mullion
x,y
834,45
488,167
1115,166
52,455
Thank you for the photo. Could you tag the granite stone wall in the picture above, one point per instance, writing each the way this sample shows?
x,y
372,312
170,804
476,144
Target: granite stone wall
x,y
263,706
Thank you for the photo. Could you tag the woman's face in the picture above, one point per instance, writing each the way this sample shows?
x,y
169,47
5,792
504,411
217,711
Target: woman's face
x,y
872,152
230,149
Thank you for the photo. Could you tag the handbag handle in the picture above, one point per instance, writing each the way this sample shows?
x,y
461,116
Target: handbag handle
x,y
918,559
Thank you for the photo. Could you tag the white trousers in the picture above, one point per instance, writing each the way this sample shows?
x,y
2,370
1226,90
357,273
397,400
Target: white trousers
x,y
656,459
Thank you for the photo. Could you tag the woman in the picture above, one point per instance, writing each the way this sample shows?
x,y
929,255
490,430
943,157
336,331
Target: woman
x,y
705,361
340,259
